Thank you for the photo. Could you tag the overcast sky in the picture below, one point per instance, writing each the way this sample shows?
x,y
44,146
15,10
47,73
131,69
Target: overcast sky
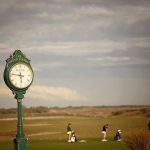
x,y
83,52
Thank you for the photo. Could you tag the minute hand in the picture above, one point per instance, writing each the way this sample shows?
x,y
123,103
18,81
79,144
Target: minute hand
x,y
20,75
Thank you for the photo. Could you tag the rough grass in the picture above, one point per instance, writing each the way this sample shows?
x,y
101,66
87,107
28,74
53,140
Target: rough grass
x,y
139,140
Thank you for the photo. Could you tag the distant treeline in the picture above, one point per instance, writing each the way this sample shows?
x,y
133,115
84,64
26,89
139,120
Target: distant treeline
x,y
7,111
136,111
40,109
78,111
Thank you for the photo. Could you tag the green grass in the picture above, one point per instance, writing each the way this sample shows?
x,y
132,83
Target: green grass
x,y
91,144
85,128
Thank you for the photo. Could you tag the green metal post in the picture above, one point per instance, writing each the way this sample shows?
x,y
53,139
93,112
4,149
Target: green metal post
x,y
20,142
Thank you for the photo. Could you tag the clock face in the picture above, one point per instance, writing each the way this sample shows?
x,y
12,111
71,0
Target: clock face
x,y
20,75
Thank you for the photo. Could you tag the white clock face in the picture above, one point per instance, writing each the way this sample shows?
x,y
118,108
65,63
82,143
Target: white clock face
x,y
20,75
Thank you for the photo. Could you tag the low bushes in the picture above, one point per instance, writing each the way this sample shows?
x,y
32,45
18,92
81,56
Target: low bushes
x,y
139,140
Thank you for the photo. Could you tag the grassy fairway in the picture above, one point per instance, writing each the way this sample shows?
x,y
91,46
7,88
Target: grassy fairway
x,y
50,133
91,144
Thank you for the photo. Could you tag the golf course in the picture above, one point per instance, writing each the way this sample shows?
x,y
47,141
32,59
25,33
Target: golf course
x,y
49,132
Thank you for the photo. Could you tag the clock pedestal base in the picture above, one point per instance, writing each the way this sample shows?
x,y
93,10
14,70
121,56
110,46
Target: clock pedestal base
x,y
20,144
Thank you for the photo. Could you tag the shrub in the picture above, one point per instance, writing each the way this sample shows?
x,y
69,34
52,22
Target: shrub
x,y
139,140
116,113
8,111
40,109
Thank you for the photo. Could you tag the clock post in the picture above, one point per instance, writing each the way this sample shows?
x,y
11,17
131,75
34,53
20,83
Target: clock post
x,y
18,76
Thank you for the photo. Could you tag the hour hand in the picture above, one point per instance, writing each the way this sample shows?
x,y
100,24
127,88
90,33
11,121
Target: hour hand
x,y
21,77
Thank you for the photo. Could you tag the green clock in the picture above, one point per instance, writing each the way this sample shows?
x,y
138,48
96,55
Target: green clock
x,y
18,73
18,76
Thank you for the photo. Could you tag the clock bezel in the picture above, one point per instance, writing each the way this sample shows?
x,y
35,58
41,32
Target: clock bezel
x,y
9,74
8,81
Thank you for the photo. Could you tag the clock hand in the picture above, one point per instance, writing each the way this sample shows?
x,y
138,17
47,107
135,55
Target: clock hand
x,y
20,75
15,74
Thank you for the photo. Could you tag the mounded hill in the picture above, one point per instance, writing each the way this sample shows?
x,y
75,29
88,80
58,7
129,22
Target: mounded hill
x,y
85,111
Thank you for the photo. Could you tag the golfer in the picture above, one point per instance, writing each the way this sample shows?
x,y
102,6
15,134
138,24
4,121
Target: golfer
x,y
118,135
104,130
69,132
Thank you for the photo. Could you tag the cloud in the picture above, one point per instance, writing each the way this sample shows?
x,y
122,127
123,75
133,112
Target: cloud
x,y
78,48
139,42
110,59
137,14
94,10
4,91
54,93
5,5
43,92
53,65
3,46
